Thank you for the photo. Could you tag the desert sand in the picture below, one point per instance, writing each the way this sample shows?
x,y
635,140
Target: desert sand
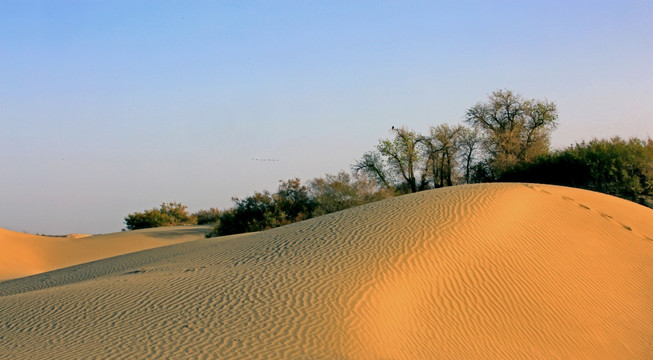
x,y
26,254
468,272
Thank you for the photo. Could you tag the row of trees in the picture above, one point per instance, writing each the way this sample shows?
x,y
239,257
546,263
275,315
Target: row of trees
x,y
506,138
504,131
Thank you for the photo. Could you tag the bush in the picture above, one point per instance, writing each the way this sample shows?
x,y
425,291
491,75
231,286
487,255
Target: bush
x,y
343,191
617,167
170,214
262,211
253,213
294,202
205,217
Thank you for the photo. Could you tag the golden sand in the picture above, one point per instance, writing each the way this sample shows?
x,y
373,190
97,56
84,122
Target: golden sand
x,y
469,272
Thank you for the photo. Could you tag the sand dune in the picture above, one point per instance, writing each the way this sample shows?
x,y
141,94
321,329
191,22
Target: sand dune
x,y
26,254
479,271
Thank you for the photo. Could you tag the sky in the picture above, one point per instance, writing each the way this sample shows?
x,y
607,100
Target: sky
x,y
113,107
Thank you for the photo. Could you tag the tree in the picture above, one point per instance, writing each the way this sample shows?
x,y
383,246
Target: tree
x,y
514,130
374,166
399,163
619,167
443,146
469,141
405,153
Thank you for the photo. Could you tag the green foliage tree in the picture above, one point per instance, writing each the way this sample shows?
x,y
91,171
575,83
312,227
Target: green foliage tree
x,y
168,214
469,142
514,130
443,146
400,163
412,162
405,154
375,167
616,166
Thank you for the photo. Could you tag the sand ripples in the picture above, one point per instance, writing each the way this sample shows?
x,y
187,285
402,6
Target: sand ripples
x,y
502,271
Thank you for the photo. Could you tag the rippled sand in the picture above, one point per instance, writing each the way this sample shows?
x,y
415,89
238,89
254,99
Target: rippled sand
x,y
468,272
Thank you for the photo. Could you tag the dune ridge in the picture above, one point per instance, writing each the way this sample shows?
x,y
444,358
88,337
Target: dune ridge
x,y
475,271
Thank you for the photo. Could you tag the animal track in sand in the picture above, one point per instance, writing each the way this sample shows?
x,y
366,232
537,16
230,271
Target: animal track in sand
x,y
602,214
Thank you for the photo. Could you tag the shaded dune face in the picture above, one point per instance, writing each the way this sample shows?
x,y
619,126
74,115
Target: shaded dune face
x,y
25,254
477,271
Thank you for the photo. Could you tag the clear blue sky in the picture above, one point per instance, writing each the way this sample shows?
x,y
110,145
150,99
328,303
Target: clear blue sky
x,y
107,108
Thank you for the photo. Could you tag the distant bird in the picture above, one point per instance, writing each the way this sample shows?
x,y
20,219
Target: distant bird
x,y
393,127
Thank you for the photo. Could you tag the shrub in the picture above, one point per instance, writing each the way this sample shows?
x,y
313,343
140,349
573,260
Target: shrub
x,y
617,167
210,216
167,215
295,202
263,210
343,191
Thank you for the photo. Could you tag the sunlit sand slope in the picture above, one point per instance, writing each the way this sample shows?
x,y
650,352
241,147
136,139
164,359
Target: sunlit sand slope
x,y
482,271
25,254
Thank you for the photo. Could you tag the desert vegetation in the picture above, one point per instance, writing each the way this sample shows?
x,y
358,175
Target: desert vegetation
x,y
168,214
209,216
504,131
504,139
616,166
294,202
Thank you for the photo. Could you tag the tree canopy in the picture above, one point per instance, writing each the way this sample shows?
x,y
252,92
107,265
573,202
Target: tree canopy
x,y
513,129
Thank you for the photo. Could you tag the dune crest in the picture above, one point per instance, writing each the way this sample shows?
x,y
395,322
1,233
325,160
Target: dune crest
x,y
477,271
77,236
